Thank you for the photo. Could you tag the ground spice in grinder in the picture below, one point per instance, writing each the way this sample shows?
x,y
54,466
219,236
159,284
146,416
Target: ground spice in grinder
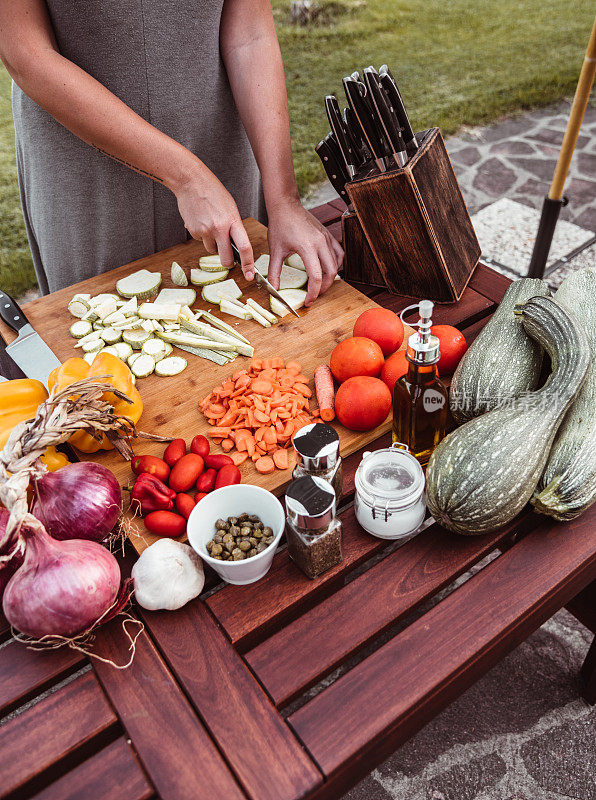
x,y
313,534
317,454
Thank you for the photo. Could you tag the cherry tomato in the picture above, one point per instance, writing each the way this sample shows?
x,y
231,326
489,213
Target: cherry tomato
x,y
174,451
206,481
165,523
184,504
228,475
217,461
199,496
185,472
152,465
200,446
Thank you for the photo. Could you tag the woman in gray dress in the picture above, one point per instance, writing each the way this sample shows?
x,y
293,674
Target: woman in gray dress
x,y
137,120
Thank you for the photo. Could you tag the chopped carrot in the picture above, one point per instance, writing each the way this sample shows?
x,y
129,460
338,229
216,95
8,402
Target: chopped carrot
x,y
260,416
325,392
280,459
265,465
227,445
262,387
238,458
294,366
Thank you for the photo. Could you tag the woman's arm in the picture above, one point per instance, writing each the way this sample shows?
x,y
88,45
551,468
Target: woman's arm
x,y
250,51
83,105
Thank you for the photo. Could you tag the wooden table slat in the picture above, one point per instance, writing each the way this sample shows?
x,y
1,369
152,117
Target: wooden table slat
x,y
264,753
365,715
51,730
172,744
112,774
314,644
25,672
489,283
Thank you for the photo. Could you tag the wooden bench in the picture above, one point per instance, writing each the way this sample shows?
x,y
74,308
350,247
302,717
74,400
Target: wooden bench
x,y
225,698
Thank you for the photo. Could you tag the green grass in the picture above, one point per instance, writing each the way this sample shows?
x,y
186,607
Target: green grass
x,y
458,62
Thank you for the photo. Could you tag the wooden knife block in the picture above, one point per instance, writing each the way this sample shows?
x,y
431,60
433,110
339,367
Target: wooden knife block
x,y
411,231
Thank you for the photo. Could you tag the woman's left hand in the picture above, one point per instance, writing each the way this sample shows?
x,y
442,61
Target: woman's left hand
x,y
292,229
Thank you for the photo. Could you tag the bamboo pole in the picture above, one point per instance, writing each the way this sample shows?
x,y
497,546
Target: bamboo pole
x,y
578,108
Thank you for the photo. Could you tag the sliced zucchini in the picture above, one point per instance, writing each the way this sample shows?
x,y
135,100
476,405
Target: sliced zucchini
x,y
110,335
156,348
167,367
201,277
264,312
191,340
178,275
123,349
80,328
97,325
112,349
186,313
211,355
117,316
157,326
136,338
93,346
223,326
142,366
133,357
141,284
233,310
148,325
211,263
106,308
202,329
169,311
91,315
258,317
226,289
90,357
78,307
101,298
181,297
94,336
294,297
292,278
262,263
129,309
129,324
295,261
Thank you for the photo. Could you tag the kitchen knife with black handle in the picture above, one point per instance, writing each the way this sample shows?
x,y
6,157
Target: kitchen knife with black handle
x,y
341,135
385,118
262,282
397,104
329,153
363,115
28,351
359,146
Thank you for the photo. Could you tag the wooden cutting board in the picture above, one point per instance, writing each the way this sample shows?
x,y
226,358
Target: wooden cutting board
x,y
171,404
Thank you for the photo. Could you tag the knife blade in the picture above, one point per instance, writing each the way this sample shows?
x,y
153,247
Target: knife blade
x,y
361,112
339,131
331,160
28,351
262,282
389,84
385,118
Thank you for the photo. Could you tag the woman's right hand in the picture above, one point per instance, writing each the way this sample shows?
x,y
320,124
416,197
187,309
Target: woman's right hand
x,y
211,214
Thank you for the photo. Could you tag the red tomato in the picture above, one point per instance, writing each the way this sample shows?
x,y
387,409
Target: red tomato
x,y
185,472
362,403
217,461
151,464
356,356
174,451
206,481
199,496
382,326
184,504
452,347
200,446
228,475
165,523
395,366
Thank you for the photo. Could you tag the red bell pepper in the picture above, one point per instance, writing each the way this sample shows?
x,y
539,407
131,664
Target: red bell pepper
x,y
150,494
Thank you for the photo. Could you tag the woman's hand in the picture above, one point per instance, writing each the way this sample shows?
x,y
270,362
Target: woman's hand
x,y
210,213
293,230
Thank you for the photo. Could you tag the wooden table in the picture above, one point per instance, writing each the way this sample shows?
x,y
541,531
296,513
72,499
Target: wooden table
x,y
224,698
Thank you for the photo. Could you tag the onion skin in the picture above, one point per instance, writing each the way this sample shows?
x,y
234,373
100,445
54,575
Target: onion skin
x,y
62,588
7,568
79,501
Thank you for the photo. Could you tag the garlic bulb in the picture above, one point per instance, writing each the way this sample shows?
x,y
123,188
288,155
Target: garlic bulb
x,y
167,575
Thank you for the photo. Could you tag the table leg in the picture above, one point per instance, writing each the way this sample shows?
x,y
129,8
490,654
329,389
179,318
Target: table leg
x,y
588,673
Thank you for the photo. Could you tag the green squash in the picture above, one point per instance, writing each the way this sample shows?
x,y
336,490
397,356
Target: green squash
x,y
483,474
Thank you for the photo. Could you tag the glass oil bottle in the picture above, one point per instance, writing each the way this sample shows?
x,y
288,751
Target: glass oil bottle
x,y
420,398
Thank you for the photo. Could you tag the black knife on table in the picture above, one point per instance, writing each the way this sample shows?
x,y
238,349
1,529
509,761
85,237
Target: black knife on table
x,y
385,118
341,135
363,115
330,155
397,104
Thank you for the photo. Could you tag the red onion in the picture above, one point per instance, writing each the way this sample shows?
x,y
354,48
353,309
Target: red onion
x,y
7,568
79,501
63,587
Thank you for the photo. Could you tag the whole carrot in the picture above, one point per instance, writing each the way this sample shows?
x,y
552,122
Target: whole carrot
x,y
325,392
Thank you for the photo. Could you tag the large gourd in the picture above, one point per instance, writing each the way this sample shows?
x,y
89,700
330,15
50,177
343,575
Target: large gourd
x,y
482,475
502,362
568,485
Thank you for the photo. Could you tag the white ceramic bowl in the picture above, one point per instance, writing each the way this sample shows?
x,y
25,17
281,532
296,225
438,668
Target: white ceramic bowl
x,y
231,501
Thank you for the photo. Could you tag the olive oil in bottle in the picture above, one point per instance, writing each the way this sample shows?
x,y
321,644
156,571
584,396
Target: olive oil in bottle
x,y
420,398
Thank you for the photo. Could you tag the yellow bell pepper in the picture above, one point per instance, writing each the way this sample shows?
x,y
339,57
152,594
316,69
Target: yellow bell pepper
x,y
19,401
75,369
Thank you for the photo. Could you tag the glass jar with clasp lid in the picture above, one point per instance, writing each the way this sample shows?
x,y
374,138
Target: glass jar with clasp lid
x,y
389,501
317,454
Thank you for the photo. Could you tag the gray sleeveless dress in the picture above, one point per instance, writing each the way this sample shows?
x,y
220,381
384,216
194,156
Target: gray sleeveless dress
x,y
86,213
